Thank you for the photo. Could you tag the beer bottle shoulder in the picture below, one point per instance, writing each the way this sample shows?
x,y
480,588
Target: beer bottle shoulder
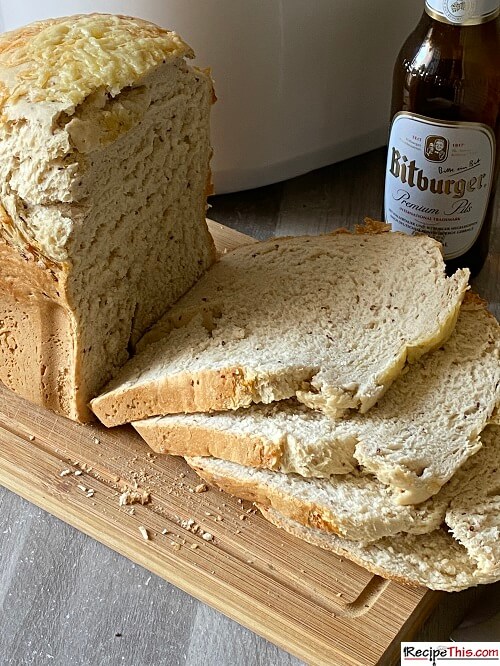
x,y
450,72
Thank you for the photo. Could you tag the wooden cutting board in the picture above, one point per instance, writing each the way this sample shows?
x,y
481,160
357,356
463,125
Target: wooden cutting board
x,y
313,604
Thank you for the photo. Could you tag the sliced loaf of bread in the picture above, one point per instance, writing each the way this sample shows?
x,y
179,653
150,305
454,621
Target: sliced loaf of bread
x,y
414,439
329,319
356,506
434,560
424,432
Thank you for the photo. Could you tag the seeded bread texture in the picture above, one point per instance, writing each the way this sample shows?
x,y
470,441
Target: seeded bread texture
x,y
329,319
358,507
426,429
416,437
104,170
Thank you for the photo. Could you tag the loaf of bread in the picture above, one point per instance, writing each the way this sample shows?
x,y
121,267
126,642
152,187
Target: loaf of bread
x,y
104,171
421,431
353,515
331,320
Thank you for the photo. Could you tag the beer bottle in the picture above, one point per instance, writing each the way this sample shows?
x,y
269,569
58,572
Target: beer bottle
x,y
442,162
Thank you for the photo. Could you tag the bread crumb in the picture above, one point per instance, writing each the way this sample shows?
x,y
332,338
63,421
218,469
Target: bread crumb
x,y
90,492
78,472
97,440
193,546
188,524
339,594
132,511
65,472
82,488
242,517
206,536
144,532
134,497
201,488
31,438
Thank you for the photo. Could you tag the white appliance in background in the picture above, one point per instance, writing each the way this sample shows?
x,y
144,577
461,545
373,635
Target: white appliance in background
x,y
300,83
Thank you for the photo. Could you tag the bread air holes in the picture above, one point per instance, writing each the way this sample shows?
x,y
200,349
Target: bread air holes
x,y
472,409
418,470
393,446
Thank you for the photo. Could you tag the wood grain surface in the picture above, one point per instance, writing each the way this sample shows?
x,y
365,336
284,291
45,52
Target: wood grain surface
x,y
66,599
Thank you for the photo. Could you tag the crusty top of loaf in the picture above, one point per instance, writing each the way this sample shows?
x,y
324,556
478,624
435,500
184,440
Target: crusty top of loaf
x,y
64,60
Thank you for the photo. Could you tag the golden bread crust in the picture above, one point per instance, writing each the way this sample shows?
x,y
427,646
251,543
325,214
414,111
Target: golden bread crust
x,y
307,514
273,518
37,333
251,451
55,61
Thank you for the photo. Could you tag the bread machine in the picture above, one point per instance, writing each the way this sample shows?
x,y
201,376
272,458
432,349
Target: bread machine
x,y
300,84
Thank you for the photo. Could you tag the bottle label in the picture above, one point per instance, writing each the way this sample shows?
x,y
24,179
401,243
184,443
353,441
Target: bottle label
x,y
438,179
463,12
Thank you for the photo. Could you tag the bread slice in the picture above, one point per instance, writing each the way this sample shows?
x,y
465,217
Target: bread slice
x,y
414,438
474,514
329,319
284,436
358,507
434,560
426,430
104,170
355,505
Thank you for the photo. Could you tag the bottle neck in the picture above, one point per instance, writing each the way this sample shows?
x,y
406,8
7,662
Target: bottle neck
x,y
463,12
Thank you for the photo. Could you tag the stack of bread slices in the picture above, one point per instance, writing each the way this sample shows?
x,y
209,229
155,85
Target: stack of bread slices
x,y
347,386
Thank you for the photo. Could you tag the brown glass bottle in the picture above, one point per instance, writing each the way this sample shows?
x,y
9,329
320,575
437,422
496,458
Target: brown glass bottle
x,y
451,72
